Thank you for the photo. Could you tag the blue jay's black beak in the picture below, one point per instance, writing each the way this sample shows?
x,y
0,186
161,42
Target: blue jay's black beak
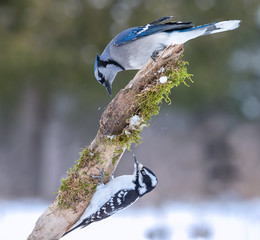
x,y
108,88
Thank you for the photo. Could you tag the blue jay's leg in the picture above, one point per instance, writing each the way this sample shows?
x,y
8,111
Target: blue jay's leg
x,y
154,55
99,177
155,52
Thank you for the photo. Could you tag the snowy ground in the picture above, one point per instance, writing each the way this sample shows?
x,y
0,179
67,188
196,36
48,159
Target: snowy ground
x,y
174,221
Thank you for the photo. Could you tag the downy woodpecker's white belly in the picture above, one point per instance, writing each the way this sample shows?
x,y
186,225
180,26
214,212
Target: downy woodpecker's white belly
x,y
104,192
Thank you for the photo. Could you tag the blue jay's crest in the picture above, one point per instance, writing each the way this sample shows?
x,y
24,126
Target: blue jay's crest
x,y
155,27
101,70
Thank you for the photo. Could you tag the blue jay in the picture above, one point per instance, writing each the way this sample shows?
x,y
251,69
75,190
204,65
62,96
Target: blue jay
x,y
133,47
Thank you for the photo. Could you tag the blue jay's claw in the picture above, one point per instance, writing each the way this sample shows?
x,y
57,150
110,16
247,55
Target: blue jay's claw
x,y
154,55
108,88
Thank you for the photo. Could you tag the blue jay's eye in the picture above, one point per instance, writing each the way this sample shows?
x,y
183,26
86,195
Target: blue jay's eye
x,y
100,74
102,79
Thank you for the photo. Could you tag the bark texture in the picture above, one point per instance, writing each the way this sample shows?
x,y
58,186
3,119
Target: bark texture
x,y
114,136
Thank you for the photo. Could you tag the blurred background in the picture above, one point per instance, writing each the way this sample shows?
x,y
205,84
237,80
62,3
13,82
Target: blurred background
x,y
205,147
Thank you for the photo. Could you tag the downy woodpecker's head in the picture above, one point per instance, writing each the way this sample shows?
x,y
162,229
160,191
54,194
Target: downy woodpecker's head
x,y
105,72
145,179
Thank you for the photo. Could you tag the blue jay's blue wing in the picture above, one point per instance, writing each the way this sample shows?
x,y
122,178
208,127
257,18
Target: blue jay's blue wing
x,y
160,25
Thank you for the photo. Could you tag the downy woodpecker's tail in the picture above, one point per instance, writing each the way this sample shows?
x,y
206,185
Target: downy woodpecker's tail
x,y
82,225
182,36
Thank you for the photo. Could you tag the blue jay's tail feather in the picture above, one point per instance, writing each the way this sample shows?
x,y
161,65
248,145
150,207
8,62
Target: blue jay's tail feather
x,y
219,27
182,36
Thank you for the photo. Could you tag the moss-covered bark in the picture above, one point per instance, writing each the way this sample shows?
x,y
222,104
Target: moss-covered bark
x,y
120,126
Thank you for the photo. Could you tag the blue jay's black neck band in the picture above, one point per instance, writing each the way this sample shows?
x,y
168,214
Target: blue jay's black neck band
x,y
109,61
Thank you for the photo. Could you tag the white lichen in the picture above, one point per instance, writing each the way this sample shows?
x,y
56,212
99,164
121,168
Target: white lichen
x,y
135,121
142,126
111,136
161,70
163,79
127,132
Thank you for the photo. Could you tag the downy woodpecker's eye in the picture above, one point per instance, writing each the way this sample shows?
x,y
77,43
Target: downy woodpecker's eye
x,y
143,172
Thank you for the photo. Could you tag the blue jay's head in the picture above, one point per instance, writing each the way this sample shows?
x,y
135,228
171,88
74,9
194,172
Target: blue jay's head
x,y
105,72
101,75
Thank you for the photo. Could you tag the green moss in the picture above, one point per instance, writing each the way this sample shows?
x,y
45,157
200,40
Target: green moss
x,y
116,155
76,186
85,154
149,100
72,190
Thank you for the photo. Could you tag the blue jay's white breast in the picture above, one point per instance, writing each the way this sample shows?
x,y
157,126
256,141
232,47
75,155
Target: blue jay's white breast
x,y
104,192
135,54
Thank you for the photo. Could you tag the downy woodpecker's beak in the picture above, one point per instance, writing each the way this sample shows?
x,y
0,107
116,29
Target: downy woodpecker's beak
x,y
108,88
138,164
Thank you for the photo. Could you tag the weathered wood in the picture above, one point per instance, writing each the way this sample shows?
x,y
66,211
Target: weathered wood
x,y
104,152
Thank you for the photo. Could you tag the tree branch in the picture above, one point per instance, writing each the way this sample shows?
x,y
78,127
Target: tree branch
x,y
120,125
